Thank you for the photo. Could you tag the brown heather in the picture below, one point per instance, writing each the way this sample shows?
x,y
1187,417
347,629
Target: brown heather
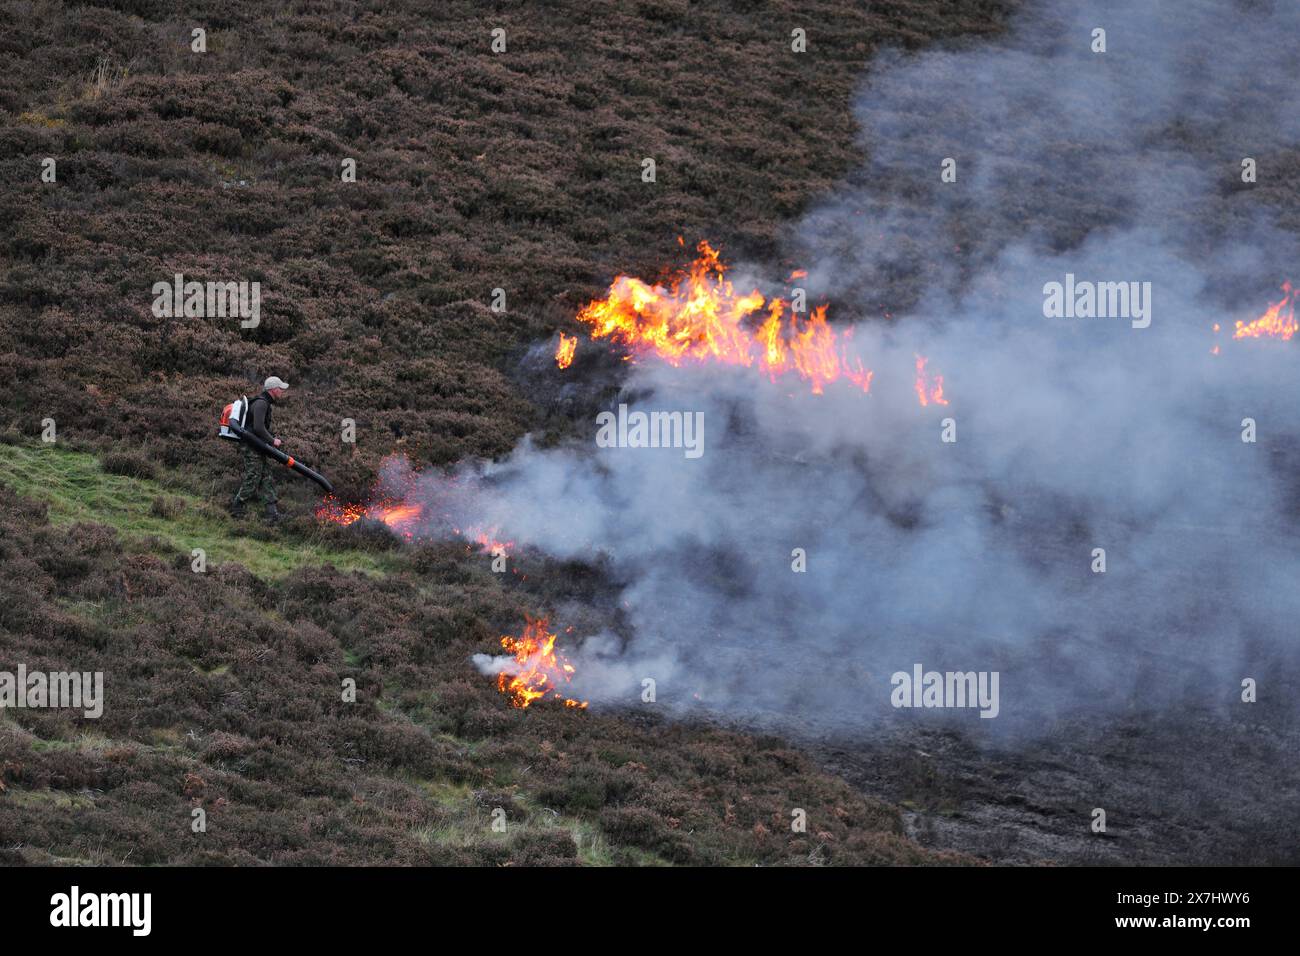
x,y
475,171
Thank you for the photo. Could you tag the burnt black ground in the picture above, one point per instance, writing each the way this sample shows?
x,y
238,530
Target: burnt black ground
x,y
1184,789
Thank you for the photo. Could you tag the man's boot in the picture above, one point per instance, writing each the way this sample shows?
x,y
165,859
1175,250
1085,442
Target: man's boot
x,y
272,513
236,508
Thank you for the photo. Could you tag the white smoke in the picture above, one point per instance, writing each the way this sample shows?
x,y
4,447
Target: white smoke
x,y
1072,434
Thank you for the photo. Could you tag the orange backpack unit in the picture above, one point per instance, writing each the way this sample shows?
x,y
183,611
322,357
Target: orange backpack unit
x,y
233,414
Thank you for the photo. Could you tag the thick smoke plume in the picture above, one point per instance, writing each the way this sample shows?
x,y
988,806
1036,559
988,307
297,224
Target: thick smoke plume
x,y
1072,433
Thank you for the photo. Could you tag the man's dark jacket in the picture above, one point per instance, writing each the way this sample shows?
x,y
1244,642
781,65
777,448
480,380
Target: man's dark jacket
x,y
259,417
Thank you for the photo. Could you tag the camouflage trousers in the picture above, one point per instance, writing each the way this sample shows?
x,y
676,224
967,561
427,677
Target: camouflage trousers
x,y
257,476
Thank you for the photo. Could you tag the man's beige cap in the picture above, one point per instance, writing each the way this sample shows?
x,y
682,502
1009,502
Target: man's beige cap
x,y
274,382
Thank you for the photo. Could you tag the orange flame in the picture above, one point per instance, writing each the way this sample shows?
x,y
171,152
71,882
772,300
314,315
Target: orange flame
x,y
398,515
403,518
539,672
486,541
697,316
564,353
1278,322
928,394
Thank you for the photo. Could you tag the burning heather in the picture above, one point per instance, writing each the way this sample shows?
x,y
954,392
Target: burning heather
x,y
1096,526
1278,322
564,352
928,393
486,541
533,670
429,514
696,316
400,516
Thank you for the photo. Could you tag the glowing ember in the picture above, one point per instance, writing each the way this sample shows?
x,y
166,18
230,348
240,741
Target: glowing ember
x,y
1278,322
928,394
400,516
407,519
564,354
486,540
537,672
697,316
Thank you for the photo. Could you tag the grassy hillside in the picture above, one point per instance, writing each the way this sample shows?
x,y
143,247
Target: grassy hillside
x,y
77,489
476,171
519,171
223,692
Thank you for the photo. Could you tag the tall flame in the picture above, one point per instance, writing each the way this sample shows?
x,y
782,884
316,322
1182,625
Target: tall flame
x,y
537,671
564,353
697,316
928,394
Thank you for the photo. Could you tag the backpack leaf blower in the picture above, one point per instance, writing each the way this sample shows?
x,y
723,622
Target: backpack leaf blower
x,y
232,426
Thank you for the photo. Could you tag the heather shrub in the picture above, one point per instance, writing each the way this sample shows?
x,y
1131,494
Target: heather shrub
x,y
132,466
474,174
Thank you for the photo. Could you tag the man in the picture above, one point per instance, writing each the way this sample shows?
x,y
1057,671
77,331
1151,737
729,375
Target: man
x,y
257,468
